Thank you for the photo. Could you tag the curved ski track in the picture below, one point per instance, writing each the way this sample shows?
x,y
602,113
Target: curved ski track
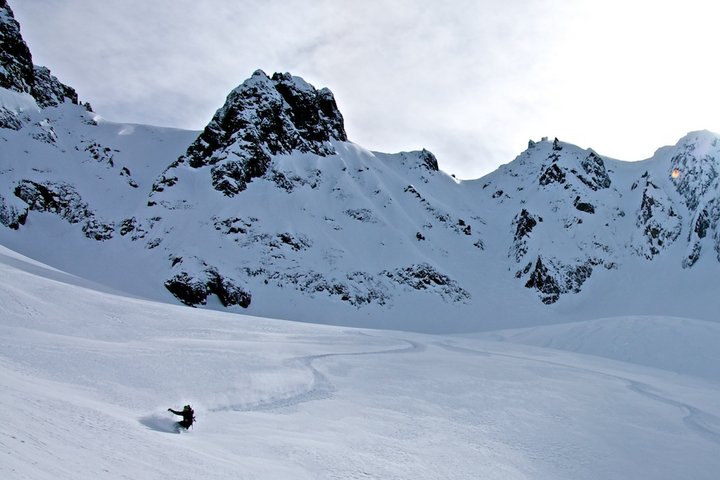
x,y
321,388
697,420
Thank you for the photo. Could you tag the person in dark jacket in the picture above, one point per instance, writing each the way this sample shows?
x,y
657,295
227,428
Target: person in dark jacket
x,y
188,415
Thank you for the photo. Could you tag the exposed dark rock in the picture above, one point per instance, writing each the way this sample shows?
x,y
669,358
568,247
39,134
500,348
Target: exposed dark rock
x,y
190,291
101,154
361,214
10,215
705,222
693,256
553,279
597,176
357,288
553,174
17,71
233,226
261,118
557,146
226,291
313,112
524,222
584,206
698,172
429,160
49,91
16,67
424,276
702,224
541,280
411,189
9,120
194,291
127,226
288,181
295,243
163,182
659,223
63,200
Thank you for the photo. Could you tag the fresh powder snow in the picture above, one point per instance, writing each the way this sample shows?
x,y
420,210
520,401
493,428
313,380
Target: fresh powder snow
x,y
87,376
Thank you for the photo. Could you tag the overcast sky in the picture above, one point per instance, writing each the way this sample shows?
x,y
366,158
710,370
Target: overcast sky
x,y
471,81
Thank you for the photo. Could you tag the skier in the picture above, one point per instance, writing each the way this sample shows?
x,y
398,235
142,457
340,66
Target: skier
x,y
188,415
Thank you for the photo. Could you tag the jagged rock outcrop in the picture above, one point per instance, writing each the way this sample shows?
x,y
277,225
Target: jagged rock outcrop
x,y
551,280
595,174
63,200
523,224
194,288
18,73
553,174
426,277
262,118
16,67
48,91
658,223
697,168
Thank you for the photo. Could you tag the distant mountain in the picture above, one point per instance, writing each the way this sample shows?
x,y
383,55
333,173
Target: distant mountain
x,y
272,210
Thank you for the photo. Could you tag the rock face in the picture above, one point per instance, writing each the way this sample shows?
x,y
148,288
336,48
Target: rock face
x,y
17,71
262,118
16,67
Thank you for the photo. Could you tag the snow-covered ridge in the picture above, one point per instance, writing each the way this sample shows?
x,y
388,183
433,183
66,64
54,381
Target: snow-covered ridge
x,y
272,210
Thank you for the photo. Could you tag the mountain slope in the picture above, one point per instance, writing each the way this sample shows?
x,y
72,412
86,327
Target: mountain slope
x,y
87,377
271,210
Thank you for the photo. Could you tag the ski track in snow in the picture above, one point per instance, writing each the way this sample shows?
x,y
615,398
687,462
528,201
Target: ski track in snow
x,y
322,388
697,420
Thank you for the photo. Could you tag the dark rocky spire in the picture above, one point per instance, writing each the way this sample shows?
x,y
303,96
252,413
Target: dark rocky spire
x,y
17,71
263,117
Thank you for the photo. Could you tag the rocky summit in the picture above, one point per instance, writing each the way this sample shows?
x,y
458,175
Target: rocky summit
x,y
271,210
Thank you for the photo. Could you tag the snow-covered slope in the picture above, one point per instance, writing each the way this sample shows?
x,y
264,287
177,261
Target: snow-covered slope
x,y
87,377
272,211
682,345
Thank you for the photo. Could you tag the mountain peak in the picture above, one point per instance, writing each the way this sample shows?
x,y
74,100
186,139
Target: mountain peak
x,y
16,67
264,117
17,71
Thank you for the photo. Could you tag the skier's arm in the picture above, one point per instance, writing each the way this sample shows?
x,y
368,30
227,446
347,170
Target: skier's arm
x,y
174,411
